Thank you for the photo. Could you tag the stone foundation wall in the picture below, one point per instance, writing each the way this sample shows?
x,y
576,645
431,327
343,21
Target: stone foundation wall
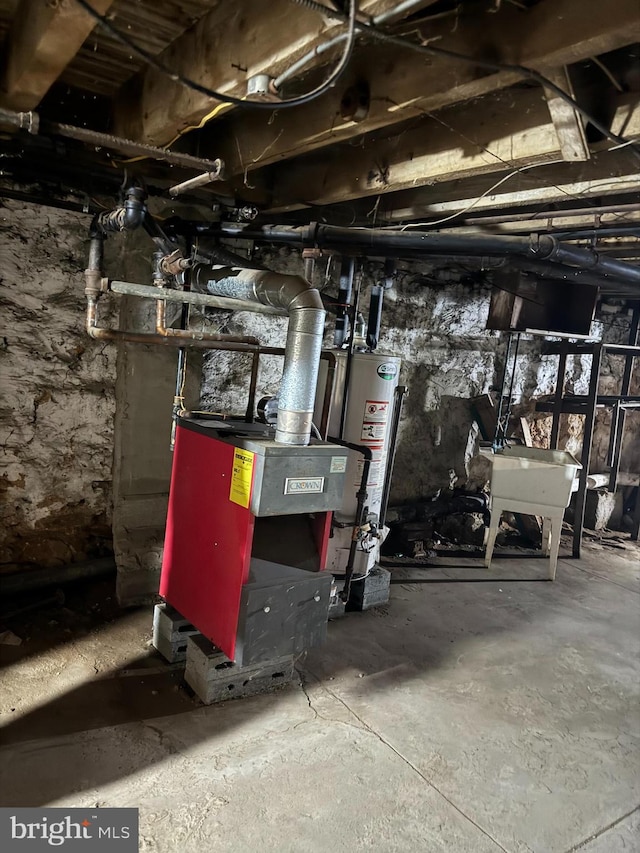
x,y
438,329
58,402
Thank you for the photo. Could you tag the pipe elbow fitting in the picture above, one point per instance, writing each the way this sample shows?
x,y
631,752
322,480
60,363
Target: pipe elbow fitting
x,y
543,246
126,218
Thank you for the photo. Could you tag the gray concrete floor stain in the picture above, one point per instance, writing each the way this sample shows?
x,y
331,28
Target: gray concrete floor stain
x,y
461,717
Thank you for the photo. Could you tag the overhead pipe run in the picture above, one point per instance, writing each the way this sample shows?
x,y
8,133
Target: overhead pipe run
x,y
96,285
35,125
304,336
185,297
249,288
390,243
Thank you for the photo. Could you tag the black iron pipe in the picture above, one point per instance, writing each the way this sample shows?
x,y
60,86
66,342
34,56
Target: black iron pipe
x,y
344,301
220,255
164,244
128,217
560,272
34,124
552,214
393,243
625,230
353,313
375,316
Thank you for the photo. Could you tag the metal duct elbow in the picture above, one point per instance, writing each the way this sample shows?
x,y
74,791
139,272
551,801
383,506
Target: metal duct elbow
x,y
304,336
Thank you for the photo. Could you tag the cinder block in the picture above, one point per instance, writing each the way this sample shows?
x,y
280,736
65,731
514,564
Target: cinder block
x,y
337,606
170,633
215,678
371,592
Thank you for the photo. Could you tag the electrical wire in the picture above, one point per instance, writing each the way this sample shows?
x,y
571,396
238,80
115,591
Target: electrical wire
x,y
223,107
516,170
354,25
379,35
606,72
476,200
158,65
520,70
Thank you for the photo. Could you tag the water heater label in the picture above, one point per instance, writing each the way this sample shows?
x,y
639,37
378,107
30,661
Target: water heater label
x,y
303,486
387,370
373,432
241,477
376,411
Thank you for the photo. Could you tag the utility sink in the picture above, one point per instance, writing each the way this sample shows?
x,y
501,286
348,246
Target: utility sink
x,y
534,482
534,476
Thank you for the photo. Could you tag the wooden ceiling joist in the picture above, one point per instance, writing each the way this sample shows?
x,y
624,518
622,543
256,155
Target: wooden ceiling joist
x,y
608,174
222,51
44,38
567,121
511,130
402,84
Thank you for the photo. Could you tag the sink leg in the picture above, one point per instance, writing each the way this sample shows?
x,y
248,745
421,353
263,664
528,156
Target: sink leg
x,y
496,514
546,536
556,530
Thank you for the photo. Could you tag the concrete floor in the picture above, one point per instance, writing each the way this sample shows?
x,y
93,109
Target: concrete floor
x,y
467,718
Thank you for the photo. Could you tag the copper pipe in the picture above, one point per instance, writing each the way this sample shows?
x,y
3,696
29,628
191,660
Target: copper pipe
x,y
157,339
192,334
201,300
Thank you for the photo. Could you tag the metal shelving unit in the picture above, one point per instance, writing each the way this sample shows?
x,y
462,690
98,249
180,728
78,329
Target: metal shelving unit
x,y
588,405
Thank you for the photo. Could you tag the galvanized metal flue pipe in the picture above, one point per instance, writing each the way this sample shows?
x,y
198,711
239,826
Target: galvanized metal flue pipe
x,y
304,336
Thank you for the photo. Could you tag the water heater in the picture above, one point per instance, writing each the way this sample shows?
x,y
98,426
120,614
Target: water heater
x,y
367,421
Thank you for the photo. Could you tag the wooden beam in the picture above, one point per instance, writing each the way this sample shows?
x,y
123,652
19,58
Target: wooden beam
x,y
544,186
567,122
222,51
510,130
44,38
405,84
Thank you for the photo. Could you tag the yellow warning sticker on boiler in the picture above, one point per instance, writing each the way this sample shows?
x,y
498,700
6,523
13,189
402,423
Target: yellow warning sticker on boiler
x,y
241,477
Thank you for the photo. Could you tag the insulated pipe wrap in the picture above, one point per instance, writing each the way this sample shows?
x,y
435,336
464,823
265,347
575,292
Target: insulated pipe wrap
x,y
304,336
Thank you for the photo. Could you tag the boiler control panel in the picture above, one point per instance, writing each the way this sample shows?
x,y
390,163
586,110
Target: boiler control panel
x,y
279,479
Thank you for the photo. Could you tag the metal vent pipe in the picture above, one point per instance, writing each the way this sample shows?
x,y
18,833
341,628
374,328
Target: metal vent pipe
x,y
304,336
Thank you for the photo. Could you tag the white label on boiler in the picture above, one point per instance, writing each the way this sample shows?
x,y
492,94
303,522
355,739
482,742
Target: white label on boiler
x,y
338,465
303,485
